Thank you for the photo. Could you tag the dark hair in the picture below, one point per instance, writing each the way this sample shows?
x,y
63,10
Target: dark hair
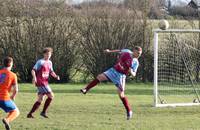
x,y
47,49
7,61
138,48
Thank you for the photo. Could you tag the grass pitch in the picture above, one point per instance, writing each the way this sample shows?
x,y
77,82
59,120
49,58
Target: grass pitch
x,y
101,109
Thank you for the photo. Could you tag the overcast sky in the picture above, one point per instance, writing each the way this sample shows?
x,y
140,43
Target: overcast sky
x,y
77,1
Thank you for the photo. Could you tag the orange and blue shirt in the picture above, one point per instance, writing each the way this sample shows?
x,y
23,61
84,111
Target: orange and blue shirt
x,y
7,80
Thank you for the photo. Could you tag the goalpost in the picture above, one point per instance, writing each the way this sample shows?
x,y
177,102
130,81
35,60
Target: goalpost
x,y
176,67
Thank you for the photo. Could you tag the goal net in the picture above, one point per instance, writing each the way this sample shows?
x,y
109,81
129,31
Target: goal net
x,y
176,67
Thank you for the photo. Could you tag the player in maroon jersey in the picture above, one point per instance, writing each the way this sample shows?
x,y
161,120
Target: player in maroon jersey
x,y
41,71
127,63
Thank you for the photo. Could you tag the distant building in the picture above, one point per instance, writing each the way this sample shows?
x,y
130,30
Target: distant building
x,y
194,4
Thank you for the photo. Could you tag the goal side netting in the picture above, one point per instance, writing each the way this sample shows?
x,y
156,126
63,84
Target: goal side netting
x,y
176,67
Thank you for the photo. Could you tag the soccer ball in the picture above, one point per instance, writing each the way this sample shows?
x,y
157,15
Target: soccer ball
x,y
163,24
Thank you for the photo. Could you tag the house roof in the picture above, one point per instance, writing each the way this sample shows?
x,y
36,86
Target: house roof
x,y
197,2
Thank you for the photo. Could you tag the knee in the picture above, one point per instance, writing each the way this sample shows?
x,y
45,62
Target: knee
x,y
99,77
51,96
121,95
16,112
40,99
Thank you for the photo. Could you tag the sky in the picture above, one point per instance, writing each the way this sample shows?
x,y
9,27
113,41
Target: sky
x,y
77,1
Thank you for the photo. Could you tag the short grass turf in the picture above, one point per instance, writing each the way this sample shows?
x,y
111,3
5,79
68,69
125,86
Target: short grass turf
x,y
101,109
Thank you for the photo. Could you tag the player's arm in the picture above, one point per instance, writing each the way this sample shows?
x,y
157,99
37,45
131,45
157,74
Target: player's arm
x,y
133,68
53,74
34,81
15,88
14,92
118,51
33,71
112,51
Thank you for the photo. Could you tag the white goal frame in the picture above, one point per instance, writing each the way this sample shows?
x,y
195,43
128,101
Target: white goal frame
x,y
156,33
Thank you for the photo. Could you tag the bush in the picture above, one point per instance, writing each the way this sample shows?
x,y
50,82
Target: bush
x,y
78,36
23,37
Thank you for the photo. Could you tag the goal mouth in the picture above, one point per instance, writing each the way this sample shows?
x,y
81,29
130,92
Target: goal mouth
x,y
176,67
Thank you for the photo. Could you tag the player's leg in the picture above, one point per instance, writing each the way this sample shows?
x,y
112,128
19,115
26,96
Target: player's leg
x,y
12,110
101,77
12,115
120,90
126,104
47,103
36,105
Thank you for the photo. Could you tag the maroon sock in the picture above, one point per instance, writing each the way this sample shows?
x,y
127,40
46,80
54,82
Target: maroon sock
x,y
35,107
92,84
126,104
46,104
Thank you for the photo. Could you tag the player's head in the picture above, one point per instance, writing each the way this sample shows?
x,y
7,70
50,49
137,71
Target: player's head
x,y
8,62
47,52
137,51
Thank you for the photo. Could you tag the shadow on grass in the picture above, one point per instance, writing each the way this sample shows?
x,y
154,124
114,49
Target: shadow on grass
x,y
113,91
146,105
107,91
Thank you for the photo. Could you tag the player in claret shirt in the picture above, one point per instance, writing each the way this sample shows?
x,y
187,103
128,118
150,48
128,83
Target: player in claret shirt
x,y
41,71
127,63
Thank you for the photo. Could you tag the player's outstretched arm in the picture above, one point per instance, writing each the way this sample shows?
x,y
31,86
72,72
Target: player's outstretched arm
x,y
53,74
15,91
111,51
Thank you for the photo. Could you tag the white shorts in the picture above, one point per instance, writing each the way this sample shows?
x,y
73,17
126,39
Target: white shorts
x,y
117,78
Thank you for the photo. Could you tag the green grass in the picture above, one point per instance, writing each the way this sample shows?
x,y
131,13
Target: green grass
x,y
101,109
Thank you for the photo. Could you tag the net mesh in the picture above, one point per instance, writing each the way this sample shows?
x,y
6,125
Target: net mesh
x,y
178,67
